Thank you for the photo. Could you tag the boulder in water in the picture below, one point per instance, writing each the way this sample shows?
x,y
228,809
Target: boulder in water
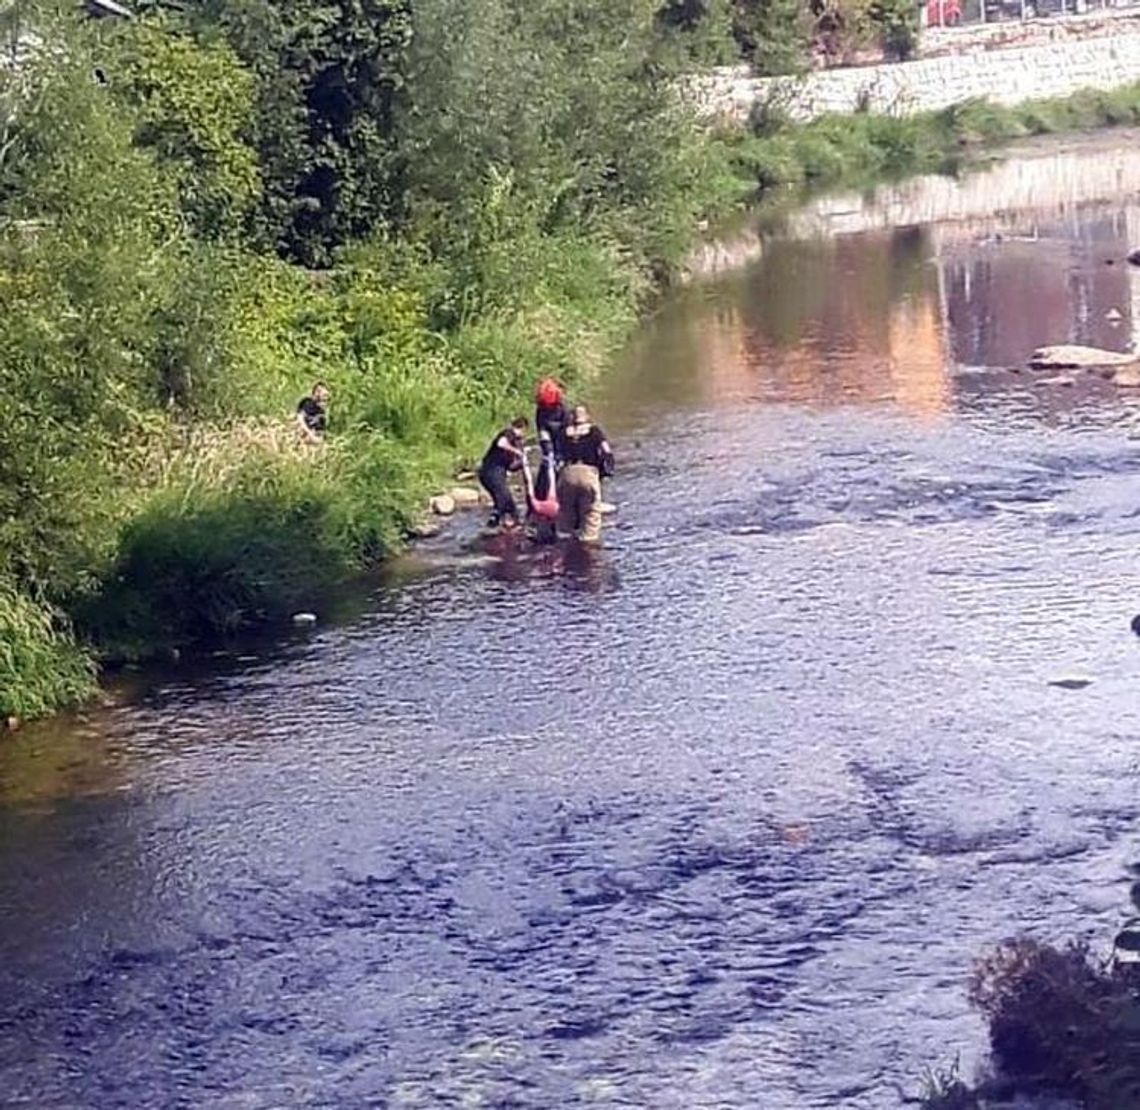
x,y
443,504
465,497
1134,257
425,529
304,620
1071,356
1136,624
1127,376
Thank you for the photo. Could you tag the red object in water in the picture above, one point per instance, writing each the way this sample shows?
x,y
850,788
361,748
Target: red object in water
x,y
547,507
548,394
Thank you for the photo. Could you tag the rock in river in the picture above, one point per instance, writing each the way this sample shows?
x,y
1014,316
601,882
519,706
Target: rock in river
x,y
442,504
465,497
1073,357
1073,682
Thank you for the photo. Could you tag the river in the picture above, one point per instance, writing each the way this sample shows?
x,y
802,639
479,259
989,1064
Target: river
x,y
718,818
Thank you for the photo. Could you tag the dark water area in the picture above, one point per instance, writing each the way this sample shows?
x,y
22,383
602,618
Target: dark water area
x,y
719,817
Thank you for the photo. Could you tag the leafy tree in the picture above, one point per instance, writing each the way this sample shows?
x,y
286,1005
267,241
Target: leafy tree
x,y
193,105
330,75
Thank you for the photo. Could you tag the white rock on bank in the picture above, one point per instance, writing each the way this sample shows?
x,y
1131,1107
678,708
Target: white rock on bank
x,y
304,619
442,504
606,507
465,497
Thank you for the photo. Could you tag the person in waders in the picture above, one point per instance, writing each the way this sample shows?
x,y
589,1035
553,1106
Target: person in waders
x,y
586,458
504,455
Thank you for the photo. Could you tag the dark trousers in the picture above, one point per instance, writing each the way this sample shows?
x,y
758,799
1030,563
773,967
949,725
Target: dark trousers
x,y
494,481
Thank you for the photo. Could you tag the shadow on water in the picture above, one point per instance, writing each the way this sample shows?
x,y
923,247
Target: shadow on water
x,y
717,815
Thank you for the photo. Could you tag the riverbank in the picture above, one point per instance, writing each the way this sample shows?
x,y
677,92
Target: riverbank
x,y
862,148
179,269
197,530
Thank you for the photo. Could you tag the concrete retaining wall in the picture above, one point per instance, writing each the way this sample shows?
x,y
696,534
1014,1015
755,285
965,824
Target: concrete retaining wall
x,y
1008,75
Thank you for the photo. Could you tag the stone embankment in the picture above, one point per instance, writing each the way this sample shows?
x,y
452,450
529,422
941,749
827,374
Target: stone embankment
x,y
1006,70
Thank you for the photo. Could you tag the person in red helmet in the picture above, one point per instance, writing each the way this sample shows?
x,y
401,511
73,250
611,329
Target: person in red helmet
x,y
550,410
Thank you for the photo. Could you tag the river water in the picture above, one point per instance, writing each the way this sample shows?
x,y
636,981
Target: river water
x,y
717,818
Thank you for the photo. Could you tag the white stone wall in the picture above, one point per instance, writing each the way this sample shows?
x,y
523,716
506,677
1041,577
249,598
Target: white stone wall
x,y
1005,76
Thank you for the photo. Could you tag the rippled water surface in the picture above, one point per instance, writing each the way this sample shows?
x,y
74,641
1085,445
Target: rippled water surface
x,y
717,818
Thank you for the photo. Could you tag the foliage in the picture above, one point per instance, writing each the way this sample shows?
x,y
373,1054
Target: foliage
x,y
193,106
944,1090
86,231
784,36
1061,1025
862,147
330,77
41,667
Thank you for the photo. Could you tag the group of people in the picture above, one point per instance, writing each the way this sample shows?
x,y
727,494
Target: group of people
x,y
576,456
574,449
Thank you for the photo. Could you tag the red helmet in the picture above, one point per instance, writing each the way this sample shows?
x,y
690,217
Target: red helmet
x,y
549,393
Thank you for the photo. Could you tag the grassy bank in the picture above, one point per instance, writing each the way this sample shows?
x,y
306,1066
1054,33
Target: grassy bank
x,y
426,208
855,149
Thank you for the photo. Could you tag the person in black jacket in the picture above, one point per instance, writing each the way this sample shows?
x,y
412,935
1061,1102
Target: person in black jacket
x,y
504,455
550,415
586,457
313,414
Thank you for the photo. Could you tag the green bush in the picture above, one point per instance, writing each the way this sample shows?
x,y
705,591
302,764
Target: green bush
x,y
41,667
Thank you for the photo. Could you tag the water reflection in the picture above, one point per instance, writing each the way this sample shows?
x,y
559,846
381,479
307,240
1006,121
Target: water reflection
x,y
855,301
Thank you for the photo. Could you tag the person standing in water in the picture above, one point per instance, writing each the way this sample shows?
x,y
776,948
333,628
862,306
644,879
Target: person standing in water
x,y
586,458
550,414
504,455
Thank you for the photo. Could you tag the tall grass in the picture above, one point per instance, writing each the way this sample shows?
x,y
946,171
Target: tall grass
x,y
41,666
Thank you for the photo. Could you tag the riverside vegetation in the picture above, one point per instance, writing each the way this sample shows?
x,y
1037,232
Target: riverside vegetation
x,y
427,204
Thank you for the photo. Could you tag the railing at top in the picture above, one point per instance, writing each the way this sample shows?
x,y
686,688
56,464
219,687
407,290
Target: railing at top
x,y
955,13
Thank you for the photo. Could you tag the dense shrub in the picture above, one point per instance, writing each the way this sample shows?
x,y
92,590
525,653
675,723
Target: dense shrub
x,y
41,667
1062,1025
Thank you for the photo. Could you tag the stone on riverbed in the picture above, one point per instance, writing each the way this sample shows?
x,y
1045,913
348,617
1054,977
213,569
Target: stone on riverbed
x,y
465,497
1128,376
304,619
425,529
1074,357
443,504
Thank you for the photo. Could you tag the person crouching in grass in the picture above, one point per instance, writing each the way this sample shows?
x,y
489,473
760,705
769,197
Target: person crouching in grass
x,y
313,413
